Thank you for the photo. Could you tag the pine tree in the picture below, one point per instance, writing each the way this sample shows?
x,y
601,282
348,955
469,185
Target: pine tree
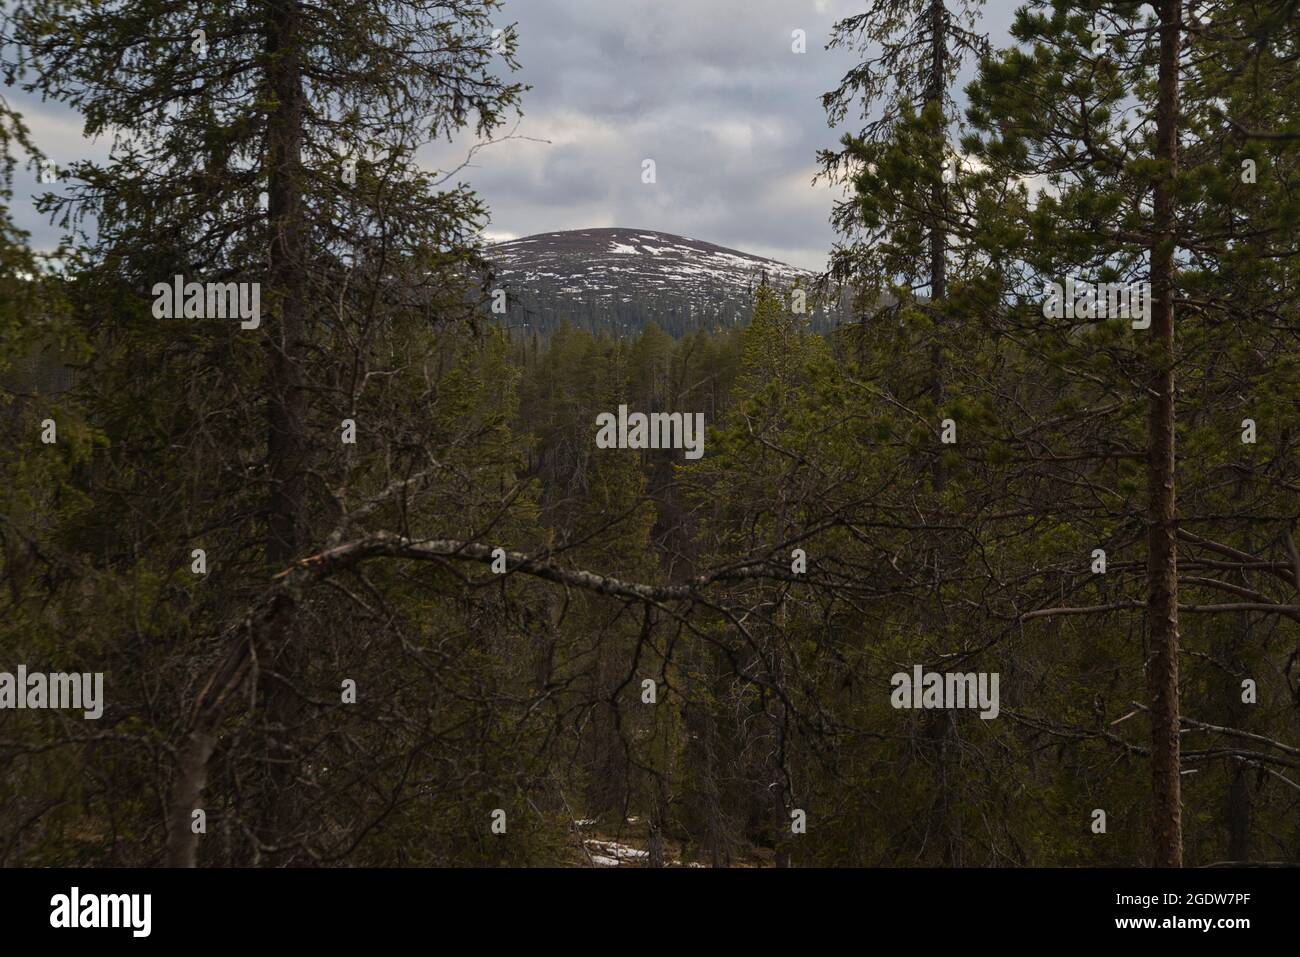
x,y
1111,113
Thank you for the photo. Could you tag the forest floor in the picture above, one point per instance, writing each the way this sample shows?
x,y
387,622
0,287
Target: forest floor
x,y
627,846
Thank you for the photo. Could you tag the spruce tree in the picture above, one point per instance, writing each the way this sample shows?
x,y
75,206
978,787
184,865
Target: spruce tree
x,y
270,144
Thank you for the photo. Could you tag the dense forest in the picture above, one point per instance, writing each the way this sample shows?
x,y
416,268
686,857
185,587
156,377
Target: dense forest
x,y
365,589
541,306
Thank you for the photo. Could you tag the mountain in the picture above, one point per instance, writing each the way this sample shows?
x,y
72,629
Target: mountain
x,y
618,280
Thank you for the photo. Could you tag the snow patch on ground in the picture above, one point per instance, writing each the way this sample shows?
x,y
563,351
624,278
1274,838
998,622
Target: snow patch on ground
x,y
612,853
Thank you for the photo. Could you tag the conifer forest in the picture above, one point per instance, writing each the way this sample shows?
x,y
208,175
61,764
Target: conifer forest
x,y
387,481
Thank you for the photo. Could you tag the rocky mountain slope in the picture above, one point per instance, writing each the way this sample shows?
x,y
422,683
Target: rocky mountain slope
x,y
618,280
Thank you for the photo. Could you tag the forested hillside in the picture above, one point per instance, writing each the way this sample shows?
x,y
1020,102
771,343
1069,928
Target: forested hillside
x,y
378,574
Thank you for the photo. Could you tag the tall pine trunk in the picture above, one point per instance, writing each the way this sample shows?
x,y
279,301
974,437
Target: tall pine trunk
x,y
286,399
1162,557
288,284
936,729
938,237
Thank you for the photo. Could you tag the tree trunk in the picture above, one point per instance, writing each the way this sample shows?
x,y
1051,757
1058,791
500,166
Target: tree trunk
x,y
288,283
938,236
286,398
1239,813
191,778
1162,559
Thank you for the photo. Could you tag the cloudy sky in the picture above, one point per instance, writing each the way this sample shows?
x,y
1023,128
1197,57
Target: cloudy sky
x,y
708,89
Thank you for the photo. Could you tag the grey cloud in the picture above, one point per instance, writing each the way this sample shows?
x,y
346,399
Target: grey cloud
x,y
707,88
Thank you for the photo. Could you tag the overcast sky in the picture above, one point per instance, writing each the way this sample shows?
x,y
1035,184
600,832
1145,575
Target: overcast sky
x,y
708,89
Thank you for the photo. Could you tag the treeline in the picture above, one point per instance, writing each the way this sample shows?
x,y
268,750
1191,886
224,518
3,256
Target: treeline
x,y
542,307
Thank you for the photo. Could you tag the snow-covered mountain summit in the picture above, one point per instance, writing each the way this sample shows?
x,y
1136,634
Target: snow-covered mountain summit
x,y
625,262
622,278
